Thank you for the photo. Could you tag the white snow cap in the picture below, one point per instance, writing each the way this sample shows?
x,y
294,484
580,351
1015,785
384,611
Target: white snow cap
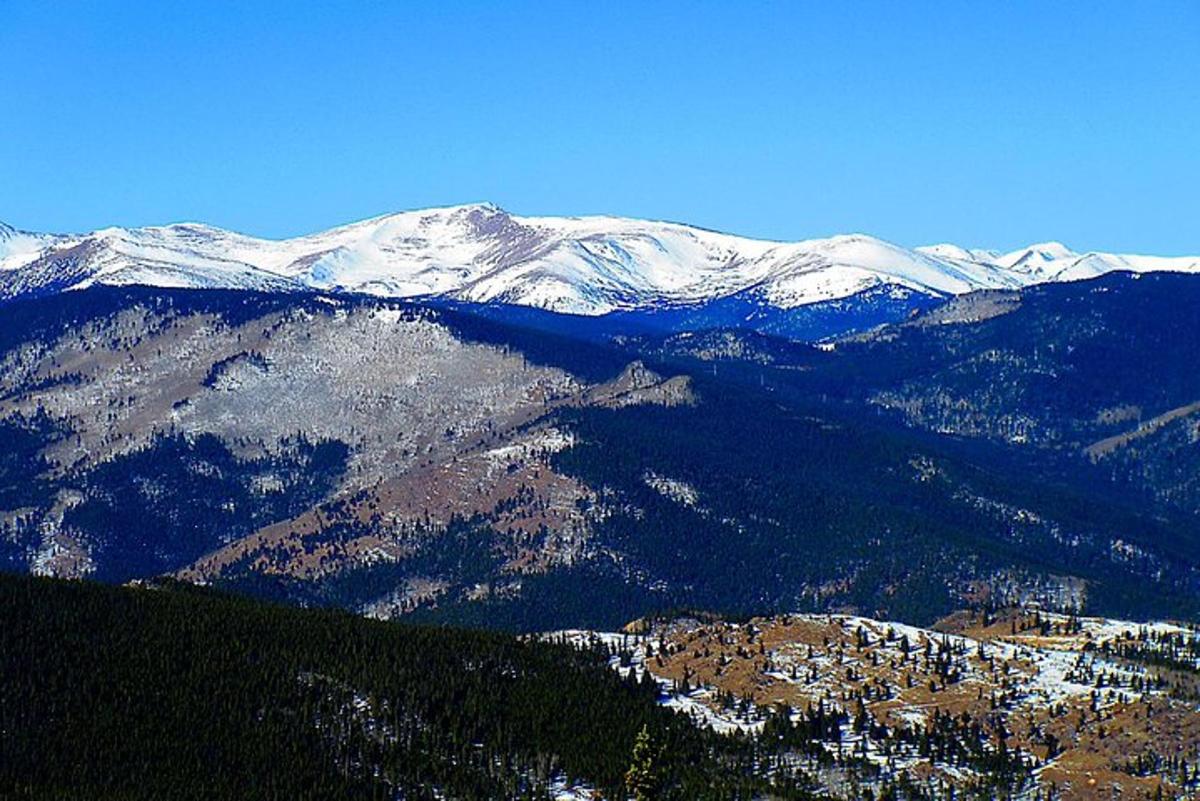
x,y
584,265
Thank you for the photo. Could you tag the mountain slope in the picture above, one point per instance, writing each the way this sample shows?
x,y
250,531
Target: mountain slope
x,y
1096,376
166,692
403,460
1034,704
583,265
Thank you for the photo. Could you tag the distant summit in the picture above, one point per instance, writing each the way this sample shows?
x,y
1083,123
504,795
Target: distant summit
x,y
580,265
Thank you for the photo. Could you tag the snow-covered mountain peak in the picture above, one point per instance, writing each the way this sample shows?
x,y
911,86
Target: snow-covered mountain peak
x,y
947,250
19,247
1051,250
1036,257
586,265
420,218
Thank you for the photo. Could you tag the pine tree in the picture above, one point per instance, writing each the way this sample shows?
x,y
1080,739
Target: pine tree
x,y
644,777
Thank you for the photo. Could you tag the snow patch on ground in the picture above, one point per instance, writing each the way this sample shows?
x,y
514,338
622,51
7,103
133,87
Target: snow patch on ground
x,y
679,491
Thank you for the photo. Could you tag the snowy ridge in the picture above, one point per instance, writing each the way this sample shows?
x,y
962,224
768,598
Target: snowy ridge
x,y
20,247
583,265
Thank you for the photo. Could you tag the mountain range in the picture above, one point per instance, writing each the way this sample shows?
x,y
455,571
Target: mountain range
x,y
578,265
908,524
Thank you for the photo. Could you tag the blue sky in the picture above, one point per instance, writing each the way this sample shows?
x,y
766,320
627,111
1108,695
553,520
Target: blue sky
x,y
988,124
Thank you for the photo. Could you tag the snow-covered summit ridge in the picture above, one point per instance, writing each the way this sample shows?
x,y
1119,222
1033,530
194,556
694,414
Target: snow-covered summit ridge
x,y
585,265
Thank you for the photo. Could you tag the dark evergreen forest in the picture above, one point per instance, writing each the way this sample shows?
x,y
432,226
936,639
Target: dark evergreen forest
x,y
174,692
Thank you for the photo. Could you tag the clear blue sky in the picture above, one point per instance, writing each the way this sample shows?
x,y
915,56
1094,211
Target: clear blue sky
x,y
986,123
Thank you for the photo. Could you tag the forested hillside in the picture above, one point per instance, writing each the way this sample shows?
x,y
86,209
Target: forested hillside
x,y
167,691
400,460
1097,373
174,693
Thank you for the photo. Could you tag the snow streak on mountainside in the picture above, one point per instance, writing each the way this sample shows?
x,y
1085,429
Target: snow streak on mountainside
x,y
582,265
